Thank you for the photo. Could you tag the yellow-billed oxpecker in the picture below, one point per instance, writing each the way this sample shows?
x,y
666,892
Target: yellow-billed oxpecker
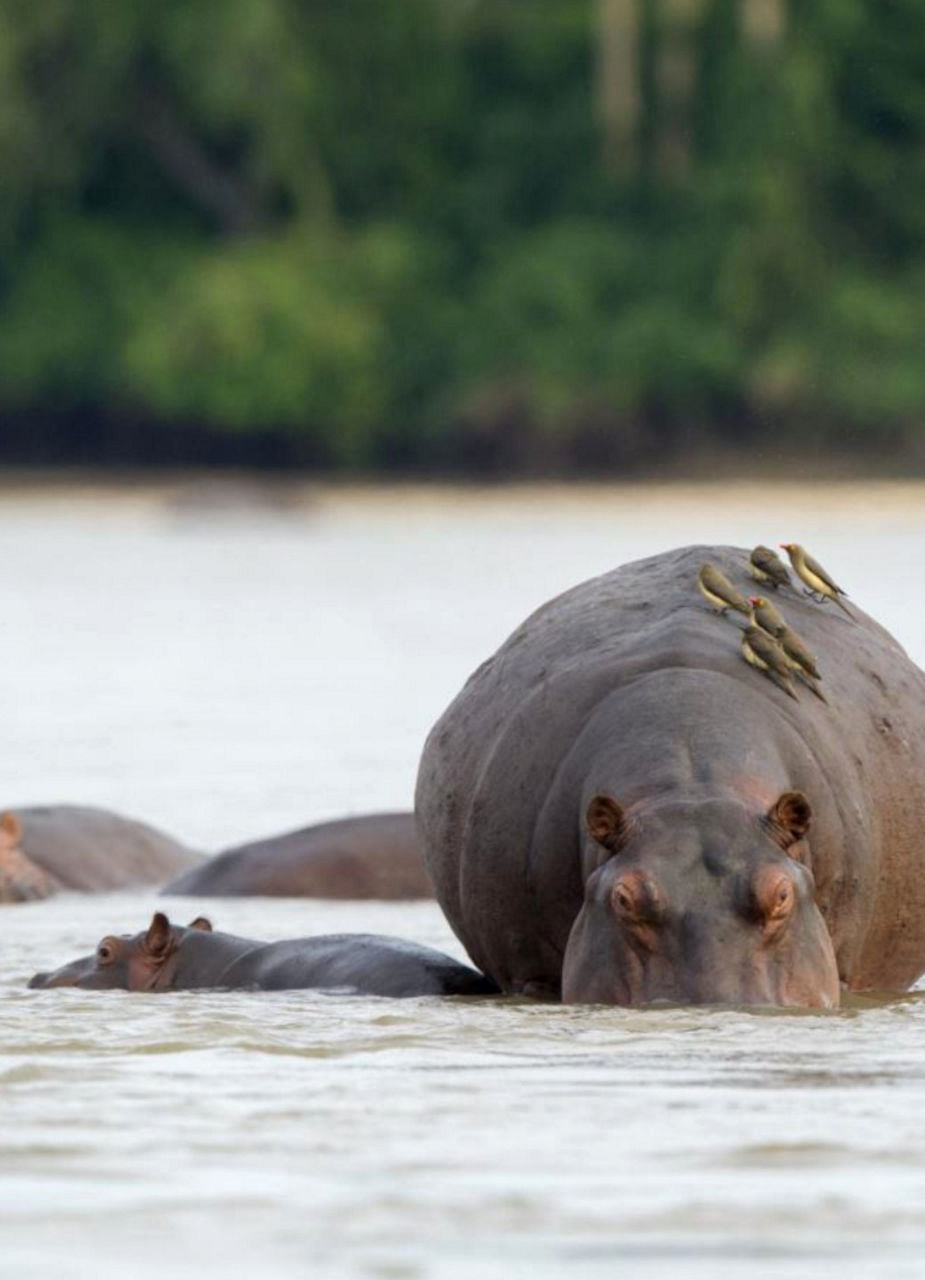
x,y
766,567
718,591
762,651
812,573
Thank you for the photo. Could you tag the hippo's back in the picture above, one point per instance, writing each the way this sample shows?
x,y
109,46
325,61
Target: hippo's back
x,y
375,856
500,783
362,962
94,850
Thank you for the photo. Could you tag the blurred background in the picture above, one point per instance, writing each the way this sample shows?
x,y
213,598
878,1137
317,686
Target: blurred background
x,y
463,237
293,244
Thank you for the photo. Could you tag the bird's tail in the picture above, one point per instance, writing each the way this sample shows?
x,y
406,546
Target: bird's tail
x,y
811,685
841,604
783,683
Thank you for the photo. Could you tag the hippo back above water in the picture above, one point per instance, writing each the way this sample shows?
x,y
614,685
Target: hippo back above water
x,y
375,855
47,848
617,802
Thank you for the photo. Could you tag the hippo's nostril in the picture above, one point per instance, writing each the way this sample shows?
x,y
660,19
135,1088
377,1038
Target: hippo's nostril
x,y
38,980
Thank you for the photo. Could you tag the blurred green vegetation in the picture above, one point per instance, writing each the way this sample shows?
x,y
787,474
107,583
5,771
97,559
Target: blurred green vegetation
x,y
471,234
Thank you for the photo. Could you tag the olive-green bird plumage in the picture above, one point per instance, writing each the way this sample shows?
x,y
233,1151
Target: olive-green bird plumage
x,y
812,573
718,591
766,567
796,650
762,651
765,616
801,661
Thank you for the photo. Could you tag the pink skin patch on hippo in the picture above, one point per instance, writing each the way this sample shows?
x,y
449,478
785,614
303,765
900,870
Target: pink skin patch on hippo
x,y
20,879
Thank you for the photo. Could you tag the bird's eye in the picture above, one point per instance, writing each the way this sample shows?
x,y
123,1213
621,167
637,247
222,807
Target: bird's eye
x,y
105,952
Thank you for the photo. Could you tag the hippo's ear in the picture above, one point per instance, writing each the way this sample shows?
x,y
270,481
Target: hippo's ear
x,y
11,826
790,817
201,923
159,938
606,822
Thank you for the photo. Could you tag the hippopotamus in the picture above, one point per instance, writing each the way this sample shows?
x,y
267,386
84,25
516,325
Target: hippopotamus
x,y
45,850
617,809
375,856
168,957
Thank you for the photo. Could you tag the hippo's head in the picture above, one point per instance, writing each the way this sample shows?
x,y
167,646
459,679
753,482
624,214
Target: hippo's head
x,y
703,902
143,962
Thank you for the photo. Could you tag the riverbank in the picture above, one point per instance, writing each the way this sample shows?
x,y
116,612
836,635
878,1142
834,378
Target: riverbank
x,y
767,500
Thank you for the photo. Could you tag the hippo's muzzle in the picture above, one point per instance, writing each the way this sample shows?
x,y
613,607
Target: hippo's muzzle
x,y
75,974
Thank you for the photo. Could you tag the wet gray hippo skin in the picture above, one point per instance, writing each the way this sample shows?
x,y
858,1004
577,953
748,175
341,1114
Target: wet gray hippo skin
x,y
618,808
375,856
167,957
46,849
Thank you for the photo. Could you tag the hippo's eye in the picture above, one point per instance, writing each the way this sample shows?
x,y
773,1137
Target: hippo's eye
x,y
634,897
774,895
623,899
781,901
105,952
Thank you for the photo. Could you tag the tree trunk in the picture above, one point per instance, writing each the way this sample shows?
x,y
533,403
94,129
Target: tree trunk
x,y
675,77
763,22
618,82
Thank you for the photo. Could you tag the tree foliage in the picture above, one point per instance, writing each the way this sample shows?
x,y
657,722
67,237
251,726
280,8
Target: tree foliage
x,y
390,232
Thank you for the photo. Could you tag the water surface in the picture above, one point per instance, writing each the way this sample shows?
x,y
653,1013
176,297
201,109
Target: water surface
x,y
237,673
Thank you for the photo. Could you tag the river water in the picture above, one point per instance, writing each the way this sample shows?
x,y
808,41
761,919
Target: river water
x,y
230,669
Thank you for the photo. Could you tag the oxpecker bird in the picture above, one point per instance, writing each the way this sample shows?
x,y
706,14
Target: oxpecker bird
x,y
765,616
801,661
766,567
815,577
718,591
762,651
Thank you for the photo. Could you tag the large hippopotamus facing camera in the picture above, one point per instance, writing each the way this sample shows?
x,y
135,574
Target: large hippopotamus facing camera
x,y
46,849
168,957
374,856
618,809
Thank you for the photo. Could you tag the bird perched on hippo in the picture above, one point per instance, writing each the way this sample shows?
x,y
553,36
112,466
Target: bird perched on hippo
x,y
617,809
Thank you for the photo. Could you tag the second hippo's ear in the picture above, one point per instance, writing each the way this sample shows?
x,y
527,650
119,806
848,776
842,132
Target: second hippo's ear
x,y
11,826
201,923
606,822
790,817
159,938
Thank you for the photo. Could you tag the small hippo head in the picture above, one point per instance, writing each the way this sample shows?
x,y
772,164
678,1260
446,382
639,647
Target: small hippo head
x,y
701,902
143,962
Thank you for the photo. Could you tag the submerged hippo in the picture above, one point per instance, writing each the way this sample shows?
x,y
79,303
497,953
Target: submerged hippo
x,y
376,856
167,957
44,850
618,809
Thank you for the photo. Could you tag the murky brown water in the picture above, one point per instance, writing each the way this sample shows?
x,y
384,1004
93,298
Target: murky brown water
x,y
230,676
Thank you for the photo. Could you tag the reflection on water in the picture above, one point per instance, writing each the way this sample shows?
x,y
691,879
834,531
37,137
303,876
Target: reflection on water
x,y
226,679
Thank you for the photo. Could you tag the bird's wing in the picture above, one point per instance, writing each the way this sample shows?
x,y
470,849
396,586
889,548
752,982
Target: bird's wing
x,y
815,567
771,654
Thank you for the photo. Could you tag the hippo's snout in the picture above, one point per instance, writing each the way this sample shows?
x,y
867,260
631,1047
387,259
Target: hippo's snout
x,y
76,974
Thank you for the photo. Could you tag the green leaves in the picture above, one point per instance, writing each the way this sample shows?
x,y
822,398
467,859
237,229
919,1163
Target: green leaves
x,y
383,227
